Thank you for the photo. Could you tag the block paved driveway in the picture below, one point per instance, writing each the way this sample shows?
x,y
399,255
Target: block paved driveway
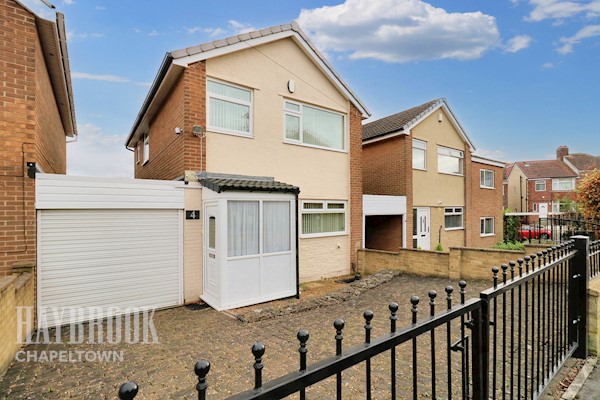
x,y
165,370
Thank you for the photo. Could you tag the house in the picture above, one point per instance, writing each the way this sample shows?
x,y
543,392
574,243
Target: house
x,y
547,183
38,116
422,158
273,135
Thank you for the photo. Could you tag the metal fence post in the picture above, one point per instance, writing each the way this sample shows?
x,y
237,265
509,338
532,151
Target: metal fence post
x,y
481,350
578,288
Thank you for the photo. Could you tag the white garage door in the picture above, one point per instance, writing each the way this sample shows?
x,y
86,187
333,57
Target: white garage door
x,y
98,262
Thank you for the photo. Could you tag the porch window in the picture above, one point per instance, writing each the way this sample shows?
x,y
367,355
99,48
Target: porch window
x,y
563,184
276,226
486,178
453,218
450,161
540,186
323,218
487,226
313,126
419,154
229,108
146,148
242,228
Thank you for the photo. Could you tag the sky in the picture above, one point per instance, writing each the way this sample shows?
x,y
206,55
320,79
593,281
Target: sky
x,y
521,76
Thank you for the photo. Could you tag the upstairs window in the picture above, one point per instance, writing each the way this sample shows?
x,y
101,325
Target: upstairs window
x,y
450,161
563,184
486,178
540,186
419,154
314,126
229,108
146,148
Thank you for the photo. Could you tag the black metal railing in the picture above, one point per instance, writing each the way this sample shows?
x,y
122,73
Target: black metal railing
x,y
508,343
594,259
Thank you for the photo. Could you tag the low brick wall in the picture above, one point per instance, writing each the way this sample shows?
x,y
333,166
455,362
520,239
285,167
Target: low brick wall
x,y
457,263
16,290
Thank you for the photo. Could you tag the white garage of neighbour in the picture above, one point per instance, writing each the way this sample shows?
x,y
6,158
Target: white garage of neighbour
x,y
107,244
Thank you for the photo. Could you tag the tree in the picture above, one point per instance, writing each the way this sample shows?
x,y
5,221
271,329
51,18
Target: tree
x,y
588,195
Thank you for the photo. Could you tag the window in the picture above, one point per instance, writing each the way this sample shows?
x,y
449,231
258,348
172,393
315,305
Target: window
x,y
323,218
556,206
138,152
486,178
229,108
487,226
276,226
540,186
242,228
146,148
450,161
453,218
535,207
563,184
212,232
313,126
419,154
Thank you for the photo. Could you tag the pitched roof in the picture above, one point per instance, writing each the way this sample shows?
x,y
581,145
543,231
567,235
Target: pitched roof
x,y
507,169
402,122
176,60
248,185
584,162
545,169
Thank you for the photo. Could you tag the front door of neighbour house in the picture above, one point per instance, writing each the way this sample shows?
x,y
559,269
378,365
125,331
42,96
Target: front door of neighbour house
x,y
421,221
212,275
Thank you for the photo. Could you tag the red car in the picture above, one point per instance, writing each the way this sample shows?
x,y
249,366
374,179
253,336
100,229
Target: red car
x,y
533,232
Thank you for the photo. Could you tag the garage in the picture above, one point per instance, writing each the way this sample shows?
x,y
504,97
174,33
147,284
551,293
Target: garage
x,y
107,247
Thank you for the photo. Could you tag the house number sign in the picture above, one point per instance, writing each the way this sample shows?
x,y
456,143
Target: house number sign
x,y
192,214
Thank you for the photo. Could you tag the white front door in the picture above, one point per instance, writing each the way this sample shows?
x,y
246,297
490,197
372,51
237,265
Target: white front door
x,y
421,220
212,275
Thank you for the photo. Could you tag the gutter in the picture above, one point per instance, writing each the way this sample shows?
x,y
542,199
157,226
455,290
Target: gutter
x,y
62,36
160,76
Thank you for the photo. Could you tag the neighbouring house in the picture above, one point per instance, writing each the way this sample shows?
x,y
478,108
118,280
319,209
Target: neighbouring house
x,y
38,116
421,160
273,135
549,184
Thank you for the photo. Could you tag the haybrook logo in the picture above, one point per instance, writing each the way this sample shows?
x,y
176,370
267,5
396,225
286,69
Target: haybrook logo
x,y
111,325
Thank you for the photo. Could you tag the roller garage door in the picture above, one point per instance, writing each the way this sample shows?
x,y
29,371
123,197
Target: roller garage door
x,y
107,246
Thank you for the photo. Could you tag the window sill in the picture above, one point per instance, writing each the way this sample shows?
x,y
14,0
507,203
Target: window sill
x,y
454,229
146,162
487,187
450,173
487,234
231,133
314,146
320,235
419,169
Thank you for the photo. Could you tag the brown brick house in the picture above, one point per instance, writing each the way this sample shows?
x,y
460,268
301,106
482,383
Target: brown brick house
x,y
37,117
423,156
255,118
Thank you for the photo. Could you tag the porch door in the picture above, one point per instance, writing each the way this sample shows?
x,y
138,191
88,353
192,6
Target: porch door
x,y
212,274
421,224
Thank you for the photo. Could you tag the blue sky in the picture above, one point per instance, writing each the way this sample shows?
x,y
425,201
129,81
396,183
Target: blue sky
x,y
522,76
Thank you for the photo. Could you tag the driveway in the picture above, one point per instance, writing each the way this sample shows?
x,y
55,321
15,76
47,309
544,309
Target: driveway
x,y
165,369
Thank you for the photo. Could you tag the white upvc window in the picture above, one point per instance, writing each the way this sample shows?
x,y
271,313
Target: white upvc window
x,y
323,218
486,178
229,108
540,186
556,206
453,218
567,184
487,226
312,126
450,161
419,154
146,148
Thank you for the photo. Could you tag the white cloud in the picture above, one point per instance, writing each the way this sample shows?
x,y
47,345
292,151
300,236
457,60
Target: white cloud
x,y
560,9
240,27
153,33
73,35
548,65
399,30
98,154
518,43
40,9
100,8
212,32
498,155
68,2
99,77
584,33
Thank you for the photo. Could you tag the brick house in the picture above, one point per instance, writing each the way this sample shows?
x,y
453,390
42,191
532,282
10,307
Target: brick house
x,y
423,156
536,183
273,134
37,117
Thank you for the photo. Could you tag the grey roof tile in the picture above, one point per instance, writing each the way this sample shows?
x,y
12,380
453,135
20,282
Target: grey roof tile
x,y
207,46
224,184
395,122
232,39
220,43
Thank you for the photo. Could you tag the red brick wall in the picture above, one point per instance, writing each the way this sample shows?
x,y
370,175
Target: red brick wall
x,y
387,170
356,183
30,130
185,106
484,203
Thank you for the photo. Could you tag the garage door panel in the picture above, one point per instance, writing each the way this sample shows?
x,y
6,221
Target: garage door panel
x,y
109,258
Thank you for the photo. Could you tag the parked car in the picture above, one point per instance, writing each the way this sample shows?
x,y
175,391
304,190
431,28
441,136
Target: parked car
x,y
534,232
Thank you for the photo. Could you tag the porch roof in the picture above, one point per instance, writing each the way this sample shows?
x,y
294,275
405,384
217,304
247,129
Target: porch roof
x,y
249,185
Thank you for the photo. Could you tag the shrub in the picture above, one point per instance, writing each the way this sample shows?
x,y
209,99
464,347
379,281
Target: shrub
x,y
439,247
510,246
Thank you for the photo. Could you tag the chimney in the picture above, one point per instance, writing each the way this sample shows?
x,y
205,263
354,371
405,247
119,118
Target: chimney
x,y
561,152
